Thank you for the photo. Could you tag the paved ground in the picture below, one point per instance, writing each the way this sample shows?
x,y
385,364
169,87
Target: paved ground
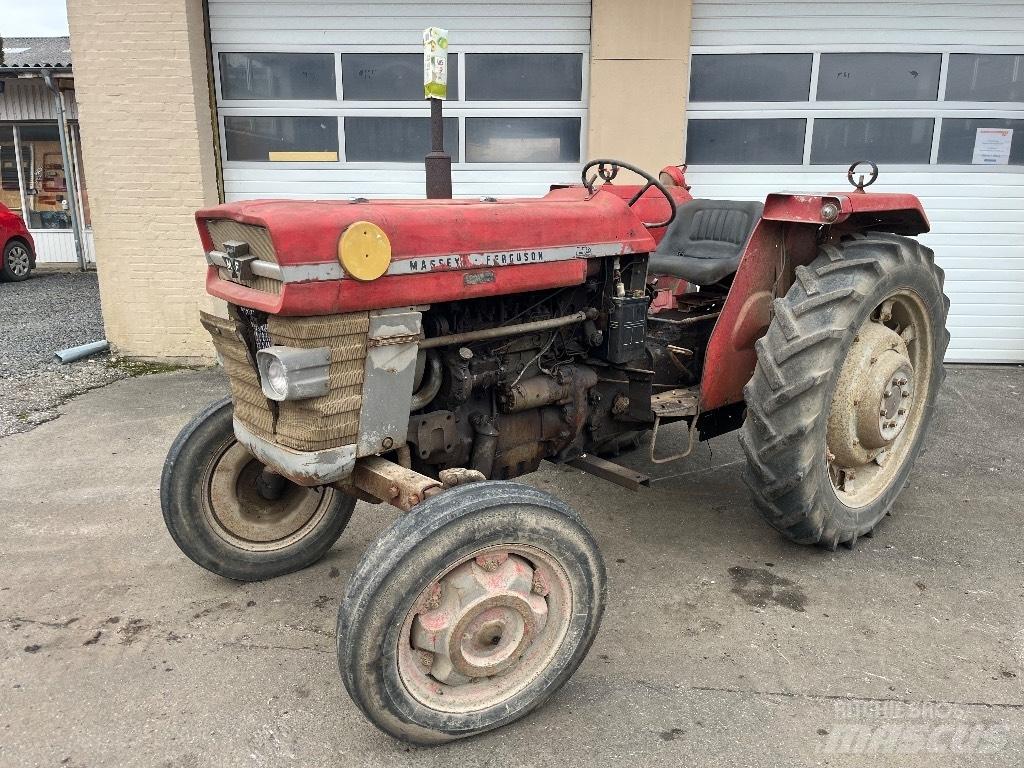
x,y
722,644
50,311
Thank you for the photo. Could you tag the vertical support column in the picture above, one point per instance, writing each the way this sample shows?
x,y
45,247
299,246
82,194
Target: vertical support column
x,y
70,186
21,176
639,75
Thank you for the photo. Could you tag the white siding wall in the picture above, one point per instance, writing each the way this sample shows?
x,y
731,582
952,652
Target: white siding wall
x,y
397,27
977,214
30,99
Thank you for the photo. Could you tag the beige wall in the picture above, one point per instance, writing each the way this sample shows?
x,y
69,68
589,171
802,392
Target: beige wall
x,y
141,81
639,68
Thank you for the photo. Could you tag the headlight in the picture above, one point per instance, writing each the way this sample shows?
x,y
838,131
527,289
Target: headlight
x,y
276,378
288,373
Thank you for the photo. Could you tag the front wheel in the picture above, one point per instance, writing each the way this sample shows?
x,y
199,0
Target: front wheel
x,y
845,387
17,262
469,612
232,517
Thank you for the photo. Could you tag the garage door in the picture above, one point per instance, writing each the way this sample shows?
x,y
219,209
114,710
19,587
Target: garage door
x,y
325,99
785,95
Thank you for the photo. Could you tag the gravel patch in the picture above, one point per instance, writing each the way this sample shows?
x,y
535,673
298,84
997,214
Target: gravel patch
x,y
48,312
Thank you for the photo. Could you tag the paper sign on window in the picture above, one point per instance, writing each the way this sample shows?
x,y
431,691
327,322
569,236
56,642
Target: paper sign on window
x,y
992,146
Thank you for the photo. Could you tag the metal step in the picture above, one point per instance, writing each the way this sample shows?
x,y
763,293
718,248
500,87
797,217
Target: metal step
x,y
674,403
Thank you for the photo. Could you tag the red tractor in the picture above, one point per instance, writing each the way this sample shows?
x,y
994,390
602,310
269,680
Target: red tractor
x,y
423,353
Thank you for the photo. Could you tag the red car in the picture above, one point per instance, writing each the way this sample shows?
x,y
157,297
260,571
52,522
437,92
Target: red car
x,y
19,253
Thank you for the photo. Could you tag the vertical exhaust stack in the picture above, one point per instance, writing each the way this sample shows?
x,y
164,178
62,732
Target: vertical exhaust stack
x,y
438,163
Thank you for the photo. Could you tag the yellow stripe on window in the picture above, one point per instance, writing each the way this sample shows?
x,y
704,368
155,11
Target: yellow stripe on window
x,y
309,157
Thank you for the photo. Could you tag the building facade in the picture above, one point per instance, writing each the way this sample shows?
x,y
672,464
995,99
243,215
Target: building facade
x,y
237,99
41,176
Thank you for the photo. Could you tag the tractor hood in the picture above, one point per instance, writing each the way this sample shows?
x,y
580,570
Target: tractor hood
x,y
307,232
439,249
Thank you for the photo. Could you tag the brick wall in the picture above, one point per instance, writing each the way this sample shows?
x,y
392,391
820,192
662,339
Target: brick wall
x,y
147,140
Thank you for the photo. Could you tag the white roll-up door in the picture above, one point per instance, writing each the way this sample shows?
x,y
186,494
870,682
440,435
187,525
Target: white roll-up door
x,y
325,99
783,95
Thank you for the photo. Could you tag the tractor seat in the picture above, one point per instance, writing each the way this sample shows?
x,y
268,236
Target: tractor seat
x,y
704,244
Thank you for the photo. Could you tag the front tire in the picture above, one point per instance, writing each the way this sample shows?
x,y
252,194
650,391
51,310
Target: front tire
x,y
845,387
17,262
469,612
230,517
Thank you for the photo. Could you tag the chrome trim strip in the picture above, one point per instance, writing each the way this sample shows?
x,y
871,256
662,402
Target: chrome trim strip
x,y
331,270
306,468
259,267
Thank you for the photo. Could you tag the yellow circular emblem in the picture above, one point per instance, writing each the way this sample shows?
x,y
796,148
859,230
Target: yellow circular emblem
x,y
364,250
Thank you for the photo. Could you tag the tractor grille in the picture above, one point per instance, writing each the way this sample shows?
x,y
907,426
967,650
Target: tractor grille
x,y
258,238
304,425
256,282
260,246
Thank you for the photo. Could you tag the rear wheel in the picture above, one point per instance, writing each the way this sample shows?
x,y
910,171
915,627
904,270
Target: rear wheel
x,y
17,262
233,517
845,388
469,612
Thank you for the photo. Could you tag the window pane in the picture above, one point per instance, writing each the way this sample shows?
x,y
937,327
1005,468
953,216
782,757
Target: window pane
x,y
9,191
879,77
281,139
746,142
524,77
522,139
277,76
390,76
43,174
956,142
880,139
985,77
751,77
395,139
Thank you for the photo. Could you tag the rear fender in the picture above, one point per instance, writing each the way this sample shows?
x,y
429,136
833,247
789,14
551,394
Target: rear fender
x,y
785,238
898,213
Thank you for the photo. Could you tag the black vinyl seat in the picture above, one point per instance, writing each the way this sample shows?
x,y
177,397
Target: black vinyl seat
x,y
704,244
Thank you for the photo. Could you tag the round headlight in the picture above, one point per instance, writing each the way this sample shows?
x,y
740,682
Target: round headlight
x,y
277,378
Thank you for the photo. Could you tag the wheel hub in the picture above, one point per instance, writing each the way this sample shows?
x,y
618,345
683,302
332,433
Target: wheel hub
x,y
479,619
253,510
873,397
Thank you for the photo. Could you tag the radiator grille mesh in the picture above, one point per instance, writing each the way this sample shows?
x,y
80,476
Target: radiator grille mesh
x,y
258,238
304,425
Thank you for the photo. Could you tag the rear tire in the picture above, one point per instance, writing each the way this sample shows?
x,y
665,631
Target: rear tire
x,y
222,512
469,612
823,465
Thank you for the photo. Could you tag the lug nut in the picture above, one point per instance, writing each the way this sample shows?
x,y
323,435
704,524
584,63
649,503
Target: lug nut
x,y
905,393
883,412
887,393
901,411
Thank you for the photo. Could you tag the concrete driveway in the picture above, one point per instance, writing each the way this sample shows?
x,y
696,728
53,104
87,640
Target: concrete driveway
x,y
722,644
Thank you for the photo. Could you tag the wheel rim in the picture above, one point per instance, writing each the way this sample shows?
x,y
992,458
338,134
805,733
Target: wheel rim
x,y
18,261
238,512
880,399
484,628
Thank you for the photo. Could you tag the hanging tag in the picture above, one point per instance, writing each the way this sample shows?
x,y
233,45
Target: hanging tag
x,y
435,63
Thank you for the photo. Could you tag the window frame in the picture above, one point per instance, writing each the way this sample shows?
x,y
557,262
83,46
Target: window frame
x,y
457,108
812,108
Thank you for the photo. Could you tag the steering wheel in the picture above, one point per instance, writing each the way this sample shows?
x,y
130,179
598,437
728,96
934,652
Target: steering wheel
x,y
609,169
